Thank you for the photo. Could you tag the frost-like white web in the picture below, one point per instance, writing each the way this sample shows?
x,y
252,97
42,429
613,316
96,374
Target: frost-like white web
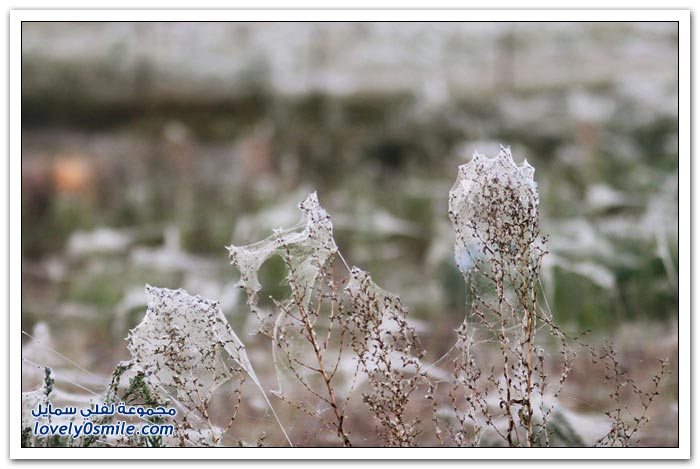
x,y
179,343
185,344
491,206
306,248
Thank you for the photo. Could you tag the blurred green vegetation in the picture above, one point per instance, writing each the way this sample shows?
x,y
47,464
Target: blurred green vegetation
x,y
382,163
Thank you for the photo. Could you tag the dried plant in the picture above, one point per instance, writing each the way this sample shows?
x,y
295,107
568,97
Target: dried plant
x,y
330,317
318,322
306,323
337,332
625,423
493,207
176,344
494,210
388,352
187,349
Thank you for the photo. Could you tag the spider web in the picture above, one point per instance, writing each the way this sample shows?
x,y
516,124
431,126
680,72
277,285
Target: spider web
x,y
487,206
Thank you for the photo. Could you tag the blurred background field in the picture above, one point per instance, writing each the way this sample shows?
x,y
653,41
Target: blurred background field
x,y
148,147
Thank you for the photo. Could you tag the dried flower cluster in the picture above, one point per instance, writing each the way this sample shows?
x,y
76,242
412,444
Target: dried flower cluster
x,y
387,349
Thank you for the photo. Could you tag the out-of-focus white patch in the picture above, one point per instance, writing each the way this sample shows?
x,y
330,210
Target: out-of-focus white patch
x,y
101,240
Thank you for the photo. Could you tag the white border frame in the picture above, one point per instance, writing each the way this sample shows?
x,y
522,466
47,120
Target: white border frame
x,y
15,20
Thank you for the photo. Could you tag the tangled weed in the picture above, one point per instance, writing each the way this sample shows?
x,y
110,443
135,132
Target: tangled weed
x,y
338,334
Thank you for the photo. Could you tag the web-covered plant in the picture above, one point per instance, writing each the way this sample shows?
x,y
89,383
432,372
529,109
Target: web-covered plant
x,y
343,347
298,324
187,349
388,351
493,207
315,328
